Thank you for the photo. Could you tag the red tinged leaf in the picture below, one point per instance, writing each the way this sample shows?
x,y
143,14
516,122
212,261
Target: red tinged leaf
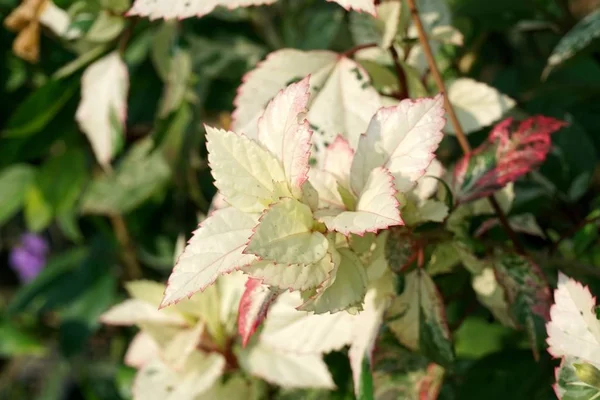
x,y
253,308
512,150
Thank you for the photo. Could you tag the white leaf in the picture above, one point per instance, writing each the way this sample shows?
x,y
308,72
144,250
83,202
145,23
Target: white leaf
x,y
573,329
402,139
366,330
292,276
477,105
231,288
338,159
285,235
244,172
377,208
326,184
342,98
134,312
288,370
281,132
141,350
215,249
181,347
289,330
427,184
103,108
157,381
58,21
357,5
169,9
254,305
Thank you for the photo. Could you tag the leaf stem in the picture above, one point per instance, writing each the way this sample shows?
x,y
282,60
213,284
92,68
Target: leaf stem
x,y
356,49
460,134
132,267
400,74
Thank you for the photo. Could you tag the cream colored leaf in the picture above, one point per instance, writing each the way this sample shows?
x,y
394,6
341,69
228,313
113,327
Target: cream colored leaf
x,y
342,99
573,329
103,108
289,330
285,369
245,173
170,9
284,235
477,105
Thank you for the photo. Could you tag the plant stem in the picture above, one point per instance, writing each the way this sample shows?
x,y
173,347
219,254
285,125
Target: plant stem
x,y
132,267
355,49
460,134
401,75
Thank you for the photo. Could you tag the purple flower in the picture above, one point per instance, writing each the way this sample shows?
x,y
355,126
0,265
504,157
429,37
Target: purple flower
x,y
29,257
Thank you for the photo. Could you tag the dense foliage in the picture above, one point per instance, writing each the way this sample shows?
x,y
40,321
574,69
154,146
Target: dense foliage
x,y
299,199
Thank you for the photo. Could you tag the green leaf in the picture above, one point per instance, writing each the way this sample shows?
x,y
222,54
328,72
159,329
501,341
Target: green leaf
x,y
177,83
105,28
579,37
528,295
14,182
366,381
16,342
33,114
141,174
163,43
419,320
61,180
38,212
477,338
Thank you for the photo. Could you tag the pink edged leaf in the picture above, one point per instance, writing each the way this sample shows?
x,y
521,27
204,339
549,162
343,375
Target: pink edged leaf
x,y
345,289
377,207
402,139
169,9
527,293
248,176
338,159
573,329
284,131
512,150
292,276
215,249
326,185
254,305
367,6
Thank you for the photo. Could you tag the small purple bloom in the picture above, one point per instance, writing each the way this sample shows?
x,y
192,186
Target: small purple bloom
x,y
29,257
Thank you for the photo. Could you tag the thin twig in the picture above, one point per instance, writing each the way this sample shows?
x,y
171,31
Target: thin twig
x,y
460,134
400,74
132,267
356,49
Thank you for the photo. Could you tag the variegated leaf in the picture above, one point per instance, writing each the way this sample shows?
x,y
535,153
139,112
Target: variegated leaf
x,y
527,293
418,318
254,305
